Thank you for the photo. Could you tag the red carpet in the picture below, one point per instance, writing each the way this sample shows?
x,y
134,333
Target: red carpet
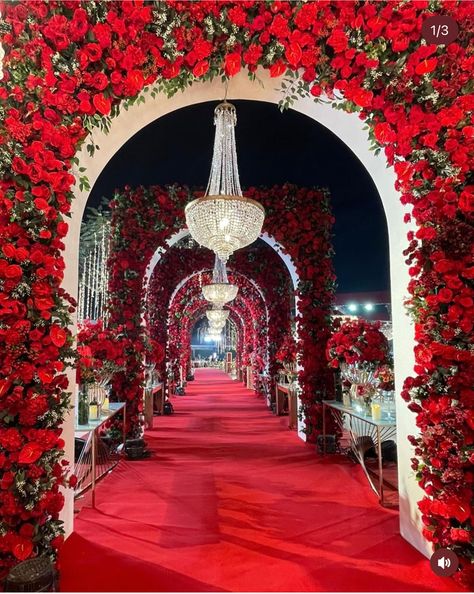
x,y
231,500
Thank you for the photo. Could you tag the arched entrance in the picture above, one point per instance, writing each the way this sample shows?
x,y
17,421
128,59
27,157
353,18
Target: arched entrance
x,y
349,129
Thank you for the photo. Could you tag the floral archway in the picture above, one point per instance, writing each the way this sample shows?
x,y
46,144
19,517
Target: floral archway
x,y
143,219
260,263
188,305
70,66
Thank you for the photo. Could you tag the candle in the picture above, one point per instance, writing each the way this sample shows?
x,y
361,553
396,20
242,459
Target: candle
x,y
93,411
376,411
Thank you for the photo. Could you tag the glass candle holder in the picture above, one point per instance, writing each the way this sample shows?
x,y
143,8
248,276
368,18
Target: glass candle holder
x,y
376,410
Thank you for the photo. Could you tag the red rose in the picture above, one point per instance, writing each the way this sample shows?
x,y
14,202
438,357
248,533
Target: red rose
x,y
445,295
237,15
22,549
72,481
7,480
58,336
103,34
362,97
253,54
202,49
21,254
13,272
41,204
383,133
201,68
27,530
293,54
62,229
277,69
30,453
338,40
93,51
134,82
9,250
426,66
232,64
279,27
466,200
102,103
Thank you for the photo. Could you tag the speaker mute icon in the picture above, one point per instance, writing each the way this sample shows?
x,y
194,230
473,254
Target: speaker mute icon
x,y
444,562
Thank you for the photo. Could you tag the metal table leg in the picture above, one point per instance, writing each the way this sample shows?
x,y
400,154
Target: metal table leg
x,y
379,455
94,456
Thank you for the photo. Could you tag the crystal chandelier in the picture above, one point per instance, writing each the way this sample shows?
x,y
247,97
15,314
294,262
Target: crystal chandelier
x,y
216,328
224,220
217,316
220,291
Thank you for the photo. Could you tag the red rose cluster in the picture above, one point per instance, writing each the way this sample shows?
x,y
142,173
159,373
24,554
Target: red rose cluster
x,y
358,341
247,312
98,346
287,351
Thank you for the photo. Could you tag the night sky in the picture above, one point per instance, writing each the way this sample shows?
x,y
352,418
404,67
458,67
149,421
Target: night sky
x,y
272,148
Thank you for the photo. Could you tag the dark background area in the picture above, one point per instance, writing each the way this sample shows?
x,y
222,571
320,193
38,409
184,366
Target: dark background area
x,y
272,148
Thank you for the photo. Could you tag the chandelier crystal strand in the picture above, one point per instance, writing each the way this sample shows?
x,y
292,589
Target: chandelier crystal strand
x,y
224,220
224,179
220,291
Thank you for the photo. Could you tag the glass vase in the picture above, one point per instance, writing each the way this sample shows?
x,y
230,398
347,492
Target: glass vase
x,y
361,398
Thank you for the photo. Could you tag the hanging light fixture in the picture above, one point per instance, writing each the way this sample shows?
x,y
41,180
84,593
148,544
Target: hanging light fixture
x,y
215,329
220,291
217,315
224,220
213,335
217,324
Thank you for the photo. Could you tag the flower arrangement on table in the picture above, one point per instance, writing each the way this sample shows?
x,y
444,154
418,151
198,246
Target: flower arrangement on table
x,y
360,350
100,352
101,357
386,380
286,355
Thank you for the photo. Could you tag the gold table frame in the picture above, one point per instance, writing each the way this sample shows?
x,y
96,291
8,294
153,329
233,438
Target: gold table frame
x,y
359,426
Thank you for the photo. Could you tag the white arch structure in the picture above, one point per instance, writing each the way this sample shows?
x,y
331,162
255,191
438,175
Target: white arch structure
x,y
271,241
349,128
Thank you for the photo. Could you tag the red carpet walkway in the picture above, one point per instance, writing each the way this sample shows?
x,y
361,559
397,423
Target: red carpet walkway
x,y
233,501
